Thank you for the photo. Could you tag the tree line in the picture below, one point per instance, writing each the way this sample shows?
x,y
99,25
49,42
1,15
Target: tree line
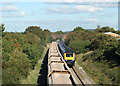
x,y
106,50
21,52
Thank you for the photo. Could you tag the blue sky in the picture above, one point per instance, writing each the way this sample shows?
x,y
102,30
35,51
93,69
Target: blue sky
x,y
63,15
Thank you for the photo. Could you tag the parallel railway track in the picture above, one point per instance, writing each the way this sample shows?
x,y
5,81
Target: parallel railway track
x,y
60,73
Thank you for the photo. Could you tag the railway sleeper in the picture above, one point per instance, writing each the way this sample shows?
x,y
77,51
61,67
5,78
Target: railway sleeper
x,y
55,62
54,59
58,71
53,56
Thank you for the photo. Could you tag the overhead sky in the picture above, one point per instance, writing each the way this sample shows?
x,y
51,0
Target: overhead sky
x,y
57,15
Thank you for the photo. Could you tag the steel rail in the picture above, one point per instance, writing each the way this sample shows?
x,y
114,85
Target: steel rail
x,y
60,73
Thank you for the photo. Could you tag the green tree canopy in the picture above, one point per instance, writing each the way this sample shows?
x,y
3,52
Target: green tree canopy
x,y
104,29
78,29
2,27
46,30
59,32
103,42
33,28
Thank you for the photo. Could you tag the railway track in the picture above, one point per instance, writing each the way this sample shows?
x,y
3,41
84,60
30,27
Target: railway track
x,y
60,73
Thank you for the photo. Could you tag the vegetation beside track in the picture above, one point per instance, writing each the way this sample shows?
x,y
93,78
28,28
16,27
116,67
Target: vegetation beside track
x,y
32,78
21,52
102,64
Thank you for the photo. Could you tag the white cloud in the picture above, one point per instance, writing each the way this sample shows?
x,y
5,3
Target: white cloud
x,y
75,9
7,3
61,1
10,8
107,4
21,14
92,20
86,8
99,3
78,1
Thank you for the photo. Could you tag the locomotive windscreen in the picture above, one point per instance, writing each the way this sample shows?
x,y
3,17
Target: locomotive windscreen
x,y
69,55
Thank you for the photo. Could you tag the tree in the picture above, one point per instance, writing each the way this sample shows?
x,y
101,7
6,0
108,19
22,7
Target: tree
x,y
98,26
2,27
103,42
19,63
46,30
21,52
118,32
78,29
78,46
104,29
33,28
43,35
59,32
118,49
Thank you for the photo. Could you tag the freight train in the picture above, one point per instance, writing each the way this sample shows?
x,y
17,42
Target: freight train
x,y
67,53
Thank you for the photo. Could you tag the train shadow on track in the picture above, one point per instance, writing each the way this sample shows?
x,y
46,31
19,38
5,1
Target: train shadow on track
x,y
42,78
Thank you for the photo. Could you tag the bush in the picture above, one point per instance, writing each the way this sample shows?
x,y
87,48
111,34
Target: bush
x,y
21,52
78,46
105,29
103,42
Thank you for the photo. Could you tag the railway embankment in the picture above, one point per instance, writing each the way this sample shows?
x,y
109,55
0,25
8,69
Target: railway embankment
x,y
34,74
54,70
101,72
103,63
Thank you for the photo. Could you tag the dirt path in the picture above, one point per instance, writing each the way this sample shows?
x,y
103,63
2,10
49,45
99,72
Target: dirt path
x,y
80,55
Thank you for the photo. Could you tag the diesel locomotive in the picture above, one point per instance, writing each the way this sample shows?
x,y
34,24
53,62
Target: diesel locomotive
x,y
67,53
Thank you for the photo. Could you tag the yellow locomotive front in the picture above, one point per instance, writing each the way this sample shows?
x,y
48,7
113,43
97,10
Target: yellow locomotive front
x,y
67,53
69,56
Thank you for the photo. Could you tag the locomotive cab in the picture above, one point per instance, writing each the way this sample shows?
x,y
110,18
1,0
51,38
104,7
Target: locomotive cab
x,y
69,56
67,53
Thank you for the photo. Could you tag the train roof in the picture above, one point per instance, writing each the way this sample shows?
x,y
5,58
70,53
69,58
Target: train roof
x,y
64,47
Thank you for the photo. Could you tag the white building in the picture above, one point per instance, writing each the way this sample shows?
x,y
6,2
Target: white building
x,y
112,34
